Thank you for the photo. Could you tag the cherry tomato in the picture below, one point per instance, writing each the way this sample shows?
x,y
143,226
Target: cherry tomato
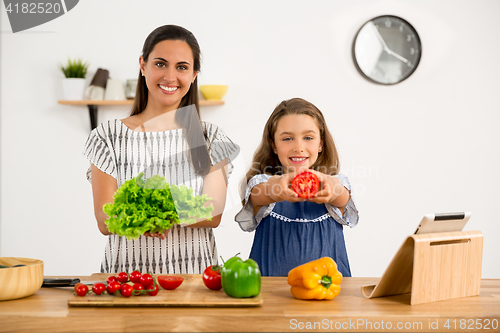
x,y
170,282
138,288
126,290
305,184
155,291
81,289
98,288
122,277
146,280
211,277
113,287
112,278
135,277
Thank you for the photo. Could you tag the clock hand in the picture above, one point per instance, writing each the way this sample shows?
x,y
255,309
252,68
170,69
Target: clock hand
x,y
381,40
397,56
386,48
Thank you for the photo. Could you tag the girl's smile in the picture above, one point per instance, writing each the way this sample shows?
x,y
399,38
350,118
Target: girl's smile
x,y
297,141
298,160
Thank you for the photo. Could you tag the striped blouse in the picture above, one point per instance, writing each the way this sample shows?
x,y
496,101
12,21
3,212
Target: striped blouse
x,y
123,153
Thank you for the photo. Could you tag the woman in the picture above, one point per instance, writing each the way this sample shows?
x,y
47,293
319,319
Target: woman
x,y
164,136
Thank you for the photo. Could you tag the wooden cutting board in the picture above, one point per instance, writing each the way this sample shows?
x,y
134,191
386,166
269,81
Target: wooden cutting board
x,y
191,293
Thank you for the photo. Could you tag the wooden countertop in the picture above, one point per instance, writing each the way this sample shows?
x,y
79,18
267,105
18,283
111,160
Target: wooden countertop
x,y
48,311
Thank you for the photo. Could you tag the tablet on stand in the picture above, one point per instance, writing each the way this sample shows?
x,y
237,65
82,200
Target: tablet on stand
x,y
432,223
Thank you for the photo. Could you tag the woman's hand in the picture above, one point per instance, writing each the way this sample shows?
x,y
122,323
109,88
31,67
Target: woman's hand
x,y
331,191
215,187
161,235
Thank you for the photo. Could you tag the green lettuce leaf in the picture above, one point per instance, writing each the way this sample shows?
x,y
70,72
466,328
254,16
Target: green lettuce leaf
x,y
153,205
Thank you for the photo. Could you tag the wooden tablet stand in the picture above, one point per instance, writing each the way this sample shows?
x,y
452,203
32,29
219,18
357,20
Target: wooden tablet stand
x,y
433,267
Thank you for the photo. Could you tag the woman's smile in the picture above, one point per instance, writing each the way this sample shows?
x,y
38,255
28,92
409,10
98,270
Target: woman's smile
x,y
169,90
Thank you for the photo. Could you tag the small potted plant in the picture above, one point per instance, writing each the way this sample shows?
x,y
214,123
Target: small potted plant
x,y
74,82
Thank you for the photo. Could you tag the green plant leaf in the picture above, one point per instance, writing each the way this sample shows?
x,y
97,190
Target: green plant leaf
x,y
153,205
75,69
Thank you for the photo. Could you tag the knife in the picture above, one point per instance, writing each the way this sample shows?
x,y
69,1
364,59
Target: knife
x,y
62,282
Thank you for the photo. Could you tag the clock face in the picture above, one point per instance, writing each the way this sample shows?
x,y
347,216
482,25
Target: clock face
x,y
387,50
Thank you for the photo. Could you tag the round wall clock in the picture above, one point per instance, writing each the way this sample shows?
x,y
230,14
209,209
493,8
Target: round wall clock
x,y
387,49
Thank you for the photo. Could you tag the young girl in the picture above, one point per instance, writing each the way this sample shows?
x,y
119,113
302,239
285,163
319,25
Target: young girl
x,y
163,136
289,230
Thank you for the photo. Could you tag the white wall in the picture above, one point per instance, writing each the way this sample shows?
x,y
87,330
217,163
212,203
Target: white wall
x,y
429,144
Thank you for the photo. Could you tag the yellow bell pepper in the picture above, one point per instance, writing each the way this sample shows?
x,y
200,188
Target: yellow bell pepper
x,y
317,279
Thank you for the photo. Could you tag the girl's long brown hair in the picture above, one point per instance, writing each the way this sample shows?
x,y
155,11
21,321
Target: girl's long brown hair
x,y
189,116
265,161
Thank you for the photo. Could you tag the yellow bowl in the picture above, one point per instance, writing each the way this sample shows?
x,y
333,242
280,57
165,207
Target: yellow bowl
x,y
213,92
18,282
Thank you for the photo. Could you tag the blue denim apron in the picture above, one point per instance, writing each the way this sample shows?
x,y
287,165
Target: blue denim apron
x,y
296,233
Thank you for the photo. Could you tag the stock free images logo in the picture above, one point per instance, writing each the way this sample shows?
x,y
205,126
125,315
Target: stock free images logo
x,y
26,14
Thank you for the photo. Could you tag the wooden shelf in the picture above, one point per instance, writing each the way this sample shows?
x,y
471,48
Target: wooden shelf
x,y
203,102
92,106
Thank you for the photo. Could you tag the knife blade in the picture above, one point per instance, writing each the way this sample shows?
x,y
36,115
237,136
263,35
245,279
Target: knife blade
x,y
63,282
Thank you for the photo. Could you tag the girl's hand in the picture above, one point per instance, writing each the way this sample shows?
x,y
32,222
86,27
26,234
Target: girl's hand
x,y
161,235
279,188
330,191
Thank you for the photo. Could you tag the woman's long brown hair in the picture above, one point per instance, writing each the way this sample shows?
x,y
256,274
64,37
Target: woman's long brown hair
x,y
188,114
265,161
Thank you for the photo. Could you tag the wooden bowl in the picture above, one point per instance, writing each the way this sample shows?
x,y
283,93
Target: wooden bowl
x,y
18,282
213,92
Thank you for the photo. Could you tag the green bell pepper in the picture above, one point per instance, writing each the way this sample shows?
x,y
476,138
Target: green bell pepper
x,y
240,278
